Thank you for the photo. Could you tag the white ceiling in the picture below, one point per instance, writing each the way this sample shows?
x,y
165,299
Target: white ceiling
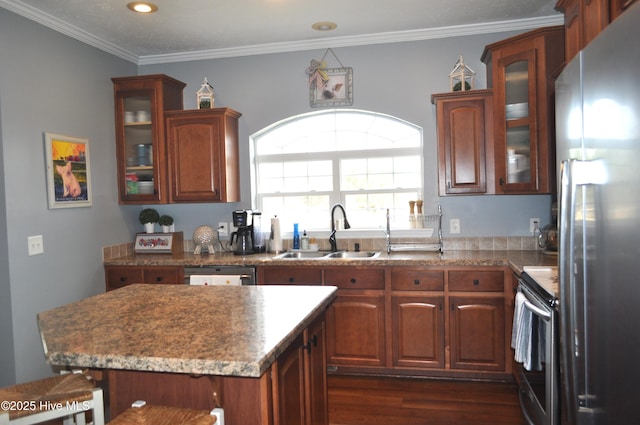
x,y
200,29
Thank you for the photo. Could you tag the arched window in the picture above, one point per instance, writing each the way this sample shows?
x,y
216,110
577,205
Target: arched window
x,y
367,161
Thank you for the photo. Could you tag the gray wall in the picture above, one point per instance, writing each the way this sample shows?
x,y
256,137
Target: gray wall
x,y
396,79
51,83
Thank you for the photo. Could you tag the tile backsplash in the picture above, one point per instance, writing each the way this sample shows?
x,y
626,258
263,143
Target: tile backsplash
x,y
513,243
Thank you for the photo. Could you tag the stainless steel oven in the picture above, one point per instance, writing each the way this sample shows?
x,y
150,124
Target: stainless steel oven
x,y
538,369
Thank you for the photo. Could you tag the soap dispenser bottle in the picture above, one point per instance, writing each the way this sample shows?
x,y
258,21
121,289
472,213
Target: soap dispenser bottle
x,y
304,241
296,237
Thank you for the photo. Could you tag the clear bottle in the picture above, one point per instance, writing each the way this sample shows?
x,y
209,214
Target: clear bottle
x,y
304,241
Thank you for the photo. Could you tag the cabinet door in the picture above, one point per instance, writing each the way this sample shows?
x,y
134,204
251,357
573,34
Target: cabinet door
x,y
289,275
140,102
418,331
316,373
203,156
289,406
572,27
516,118
118,277
477,333
464,123
356,331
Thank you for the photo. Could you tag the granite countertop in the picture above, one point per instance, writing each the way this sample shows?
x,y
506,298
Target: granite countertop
x,y
213,330
514,259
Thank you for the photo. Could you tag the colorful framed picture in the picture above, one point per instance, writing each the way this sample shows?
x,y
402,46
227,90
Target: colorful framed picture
x,y
68,171
336,91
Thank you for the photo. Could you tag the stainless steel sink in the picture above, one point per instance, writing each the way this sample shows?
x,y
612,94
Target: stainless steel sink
x,y
306,255
300,255
353,254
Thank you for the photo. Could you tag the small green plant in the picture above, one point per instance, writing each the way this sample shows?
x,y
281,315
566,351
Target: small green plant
x,y
165,220
148,215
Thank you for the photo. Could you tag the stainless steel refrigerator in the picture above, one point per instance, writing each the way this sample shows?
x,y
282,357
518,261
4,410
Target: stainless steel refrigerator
x,y
598,152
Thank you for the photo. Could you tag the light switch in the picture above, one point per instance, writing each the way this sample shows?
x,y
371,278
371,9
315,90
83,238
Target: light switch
x,y
36,245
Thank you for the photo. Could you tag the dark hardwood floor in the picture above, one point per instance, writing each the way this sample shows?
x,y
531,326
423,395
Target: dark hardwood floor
x,y
405,401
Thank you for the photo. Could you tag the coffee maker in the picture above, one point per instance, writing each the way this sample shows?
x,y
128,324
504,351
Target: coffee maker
x,y
243,236
250,237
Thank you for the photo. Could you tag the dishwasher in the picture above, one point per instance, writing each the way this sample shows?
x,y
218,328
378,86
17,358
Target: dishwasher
x,y
220,275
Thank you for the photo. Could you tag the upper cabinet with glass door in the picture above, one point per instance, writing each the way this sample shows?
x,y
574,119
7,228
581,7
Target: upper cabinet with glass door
x,y
140,103
520,70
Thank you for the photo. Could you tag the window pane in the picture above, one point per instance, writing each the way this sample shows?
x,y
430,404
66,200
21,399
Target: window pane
x,y
300,160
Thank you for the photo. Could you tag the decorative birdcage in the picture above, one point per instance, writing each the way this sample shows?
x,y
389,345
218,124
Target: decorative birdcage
x,y
462,77
205,96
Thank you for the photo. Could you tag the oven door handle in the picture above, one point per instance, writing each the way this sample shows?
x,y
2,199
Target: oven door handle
x,y
537,311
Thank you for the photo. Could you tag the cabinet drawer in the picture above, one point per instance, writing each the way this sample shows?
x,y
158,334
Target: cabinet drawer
x,y
163,275
473,280
117,277
291,275
350,278
417,280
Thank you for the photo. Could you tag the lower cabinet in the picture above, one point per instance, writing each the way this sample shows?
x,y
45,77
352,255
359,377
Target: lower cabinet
x,y
415,320
418,331
119,276
477,333
356,330
300,381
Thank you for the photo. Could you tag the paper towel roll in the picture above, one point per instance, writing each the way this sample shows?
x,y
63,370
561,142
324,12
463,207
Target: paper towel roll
x,y
275,238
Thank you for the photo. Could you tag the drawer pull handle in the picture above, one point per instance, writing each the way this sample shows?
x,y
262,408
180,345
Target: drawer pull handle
x,y
353,280
123,279
476,282
158,279
416,282
291,280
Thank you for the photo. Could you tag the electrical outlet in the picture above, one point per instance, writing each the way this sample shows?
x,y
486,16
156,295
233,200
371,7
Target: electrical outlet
x,y
454,226
35,244
223,230
533,224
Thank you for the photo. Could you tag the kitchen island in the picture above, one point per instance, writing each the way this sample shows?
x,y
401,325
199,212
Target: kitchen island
x,y
244,349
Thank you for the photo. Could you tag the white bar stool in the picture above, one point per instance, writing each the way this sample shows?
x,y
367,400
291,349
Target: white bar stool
x,y
67,396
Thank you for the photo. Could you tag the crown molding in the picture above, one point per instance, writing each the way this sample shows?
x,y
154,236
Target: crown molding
x,y
270,48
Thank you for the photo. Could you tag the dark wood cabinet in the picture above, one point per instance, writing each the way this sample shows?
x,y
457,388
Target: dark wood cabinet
x,y
356,330
520,71
203,163
301,380
140,104
120,276
585,19
418,331
477,333
411,320
465,142
289,408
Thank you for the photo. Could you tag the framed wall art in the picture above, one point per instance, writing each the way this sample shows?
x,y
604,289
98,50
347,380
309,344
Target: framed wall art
x,y
68,171
335,90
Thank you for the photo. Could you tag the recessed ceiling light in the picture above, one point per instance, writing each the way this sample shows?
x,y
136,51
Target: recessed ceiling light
x,y
142,7
324,26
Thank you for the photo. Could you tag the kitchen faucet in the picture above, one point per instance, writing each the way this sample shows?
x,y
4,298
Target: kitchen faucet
x,y
332,237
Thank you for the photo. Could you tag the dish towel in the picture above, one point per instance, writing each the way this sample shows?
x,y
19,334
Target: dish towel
x,y
219,279
522,334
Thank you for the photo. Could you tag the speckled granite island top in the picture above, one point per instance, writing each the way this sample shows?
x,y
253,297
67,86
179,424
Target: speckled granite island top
x,y
213,330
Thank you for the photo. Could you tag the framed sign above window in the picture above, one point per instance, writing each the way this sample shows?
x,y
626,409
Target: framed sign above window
x,y
337,90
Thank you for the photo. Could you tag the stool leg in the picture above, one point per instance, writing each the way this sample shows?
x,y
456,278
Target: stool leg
x,y
98,407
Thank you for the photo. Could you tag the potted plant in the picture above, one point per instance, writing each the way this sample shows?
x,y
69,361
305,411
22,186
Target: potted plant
x,y
166,221
149,217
